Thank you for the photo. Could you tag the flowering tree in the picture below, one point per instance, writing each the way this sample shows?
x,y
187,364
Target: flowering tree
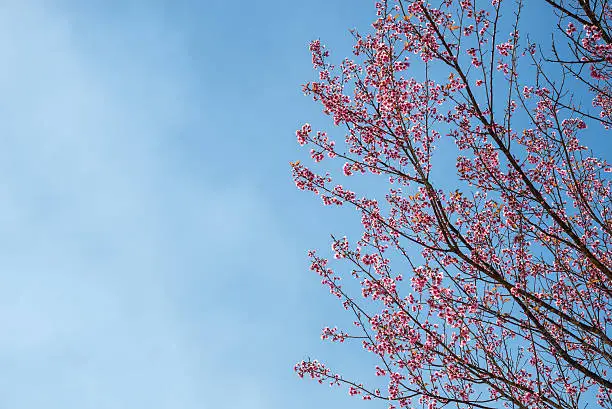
x,y
489,285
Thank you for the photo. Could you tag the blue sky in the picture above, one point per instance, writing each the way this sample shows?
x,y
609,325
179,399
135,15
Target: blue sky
x,y
153,245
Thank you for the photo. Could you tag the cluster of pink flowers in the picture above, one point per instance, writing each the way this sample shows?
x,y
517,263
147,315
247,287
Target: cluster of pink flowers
x,y
509,296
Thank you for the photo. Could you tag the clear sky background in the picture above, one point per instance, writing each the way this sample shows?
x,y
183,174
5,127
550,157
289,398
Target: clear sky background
x,y
152,243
